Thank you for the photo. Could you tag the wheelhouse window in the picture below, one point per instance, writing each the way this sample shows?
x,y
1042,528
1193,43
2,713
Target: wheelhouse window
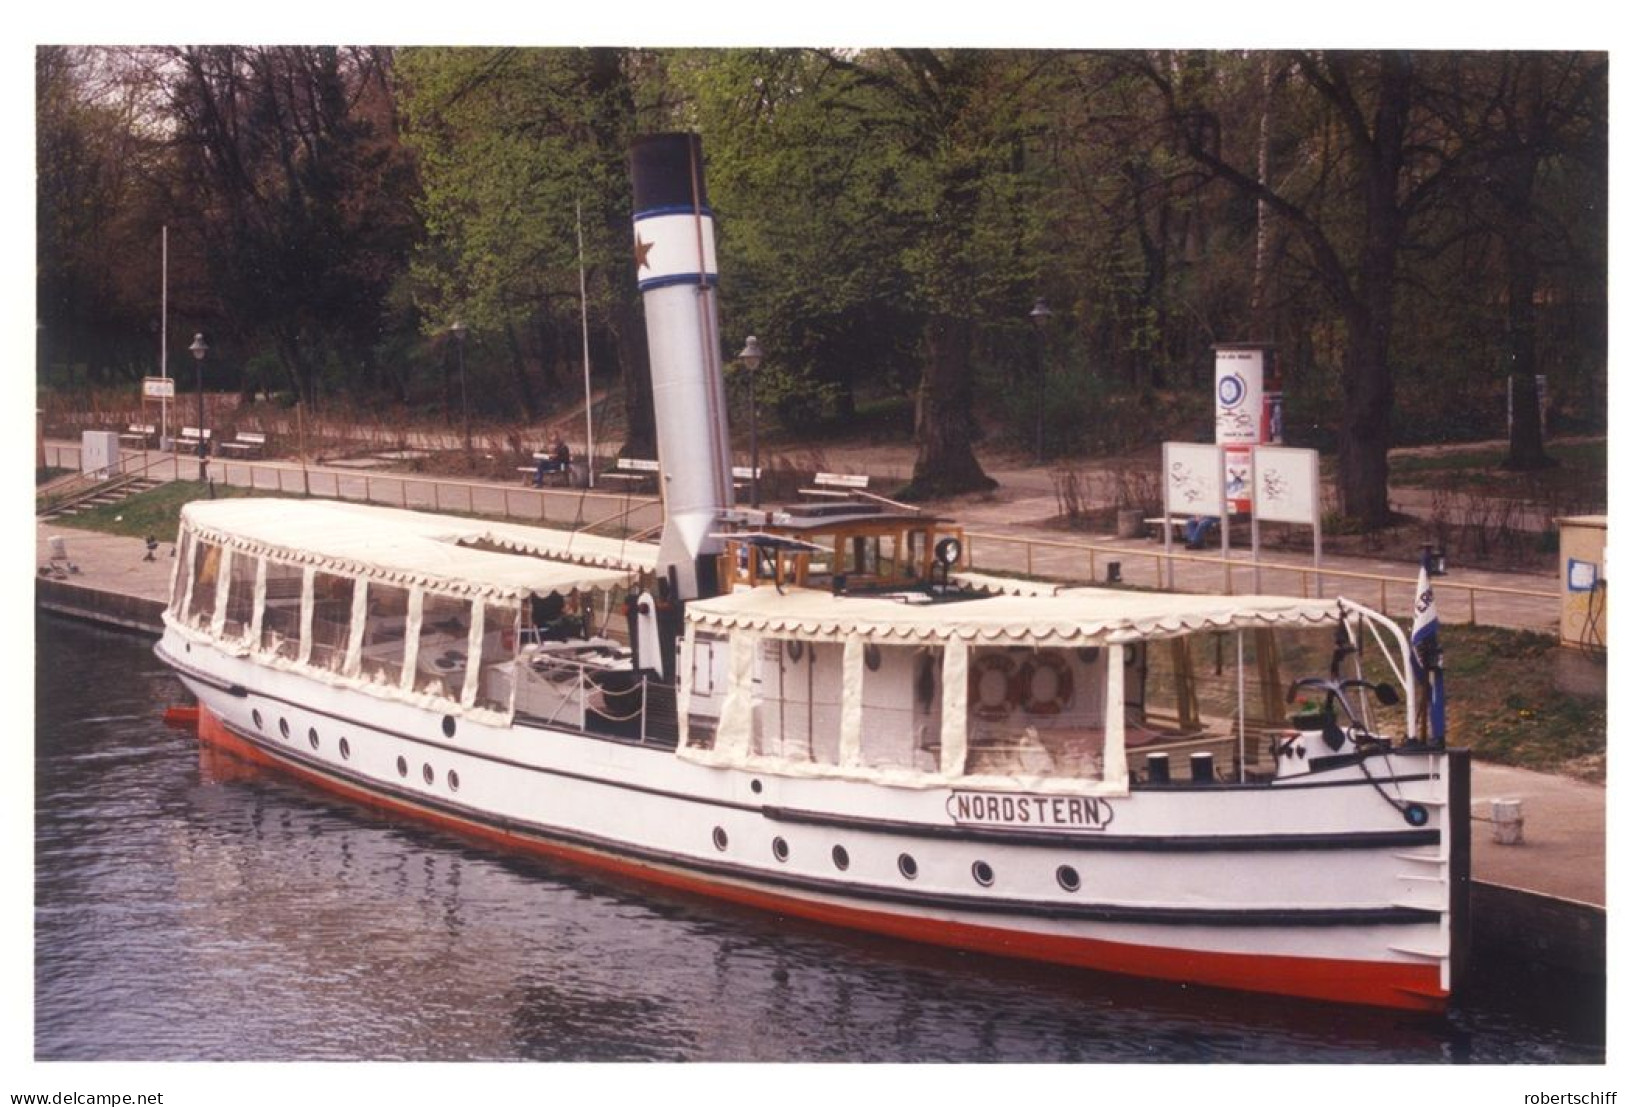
x,y
442,656
332,598
280,622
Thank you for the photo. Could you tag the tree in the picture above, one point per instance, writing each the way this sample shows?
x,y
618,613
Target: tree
x,y
289,165
513,145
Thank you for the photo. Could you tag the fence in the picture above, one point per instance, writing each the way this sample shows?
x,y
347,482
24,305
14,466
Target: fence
x,y
1053,559
1066,560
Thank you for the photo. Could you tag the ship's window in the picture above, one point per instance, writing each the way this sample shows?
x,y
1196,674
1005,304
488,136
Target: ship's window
x,y
452,781
205,575
282,725
781,849
240,595
982,873
344,748
428,774
841,858
332,597
279,623
383,642
183,554
443,646
1035,713
907,865
400,765
1067,877
901,723
801,688
315,739
497,649
259,722
719,838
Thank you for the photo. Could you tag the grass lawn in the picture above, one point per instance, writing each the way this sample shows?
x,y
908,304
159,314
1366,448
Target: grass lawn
x,y
1503,703
156,512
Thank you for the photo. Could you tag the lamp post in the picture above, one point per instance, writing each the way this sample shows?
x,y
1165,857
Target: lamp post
x,y
1040,316
459,331
199,348
751,356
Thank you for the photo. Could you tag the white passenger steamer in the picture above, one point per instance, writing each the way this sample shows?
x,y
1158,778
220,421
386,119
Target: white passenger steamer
x,y
812,712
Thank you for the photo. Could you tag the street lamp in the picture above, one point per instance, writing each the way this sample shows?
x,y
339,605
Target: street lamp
x,y
751,356
1040,316
200,348
459,331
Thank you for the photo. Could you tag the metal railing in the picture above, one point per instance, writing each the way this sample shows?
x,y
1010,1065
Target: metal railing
x,y
1062,560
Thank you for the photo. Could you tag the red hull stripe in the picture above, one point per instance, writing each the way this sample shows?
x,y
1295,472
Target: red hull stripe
x,y
1406,986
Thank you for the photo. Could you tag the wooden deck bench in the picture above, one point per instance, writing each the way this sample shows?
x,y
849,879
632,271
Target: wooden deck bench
x,y
246,443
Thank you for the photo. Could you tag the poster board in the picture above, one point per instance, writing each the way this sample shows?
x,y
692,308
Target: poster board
x,y
1287,490
1192,485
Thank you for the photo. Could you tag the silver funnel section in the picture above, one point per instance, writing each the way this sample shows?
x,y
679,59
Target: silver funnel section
x,y
674,239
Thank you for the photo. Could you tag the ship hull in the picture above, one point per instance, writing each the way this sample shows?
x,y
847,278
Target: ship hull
x,y
1349,905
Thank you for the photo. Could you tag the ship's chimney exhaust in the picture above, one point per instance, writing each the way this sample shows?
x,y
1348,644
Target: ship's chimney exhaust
x,y
674,240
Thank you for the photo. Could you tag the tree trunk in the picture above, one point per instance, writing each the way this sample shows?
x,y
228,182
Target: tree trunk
x,y
1527,448
945,421
1365,431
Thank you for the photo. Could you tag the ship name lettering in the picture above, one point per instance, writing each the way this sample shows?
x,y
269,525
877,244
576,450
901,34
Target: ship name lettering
x,y
1036,812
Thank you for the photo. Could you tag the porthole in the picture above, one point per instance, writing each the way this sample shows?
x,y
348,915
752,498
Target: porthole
x,y
982,872
781,849
840,857
451,780
1067,877
756,787
344,748
907,866
315,739
259,723
719,838
400,765
282,725
428,774
448,727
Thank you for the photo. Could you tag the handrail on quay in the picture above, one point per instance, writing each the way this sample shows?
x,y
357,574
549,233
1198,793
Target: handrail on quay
x,y
586,510
1163,562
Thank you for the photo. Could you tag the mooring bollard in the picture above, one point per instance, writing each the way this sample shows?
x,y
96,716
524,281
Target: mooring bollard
x,y
1506,821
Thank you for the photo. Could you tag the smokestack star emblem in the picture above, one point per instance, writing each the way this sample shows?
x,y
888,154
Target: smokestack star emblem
x,y
642,248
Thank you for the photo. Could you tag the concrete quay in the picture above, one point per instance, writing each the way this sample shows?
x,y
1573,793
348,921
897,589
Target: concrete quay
x,y
1544,899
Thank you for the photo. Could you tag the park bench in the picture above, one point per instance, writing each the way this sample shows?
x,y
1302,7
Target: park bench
x,y
245,444
190,437
138,435
635,471
744,475
839,485
547,465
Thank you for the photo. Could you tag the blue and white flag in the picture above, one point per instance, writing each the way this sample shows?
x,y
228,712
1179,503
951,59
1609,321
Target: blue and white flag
x,y
1427,661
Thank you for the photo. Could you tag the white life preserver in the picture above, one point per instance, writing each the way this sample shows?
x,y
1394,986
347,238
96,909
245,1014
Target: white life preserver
x,y
1046,683
995,686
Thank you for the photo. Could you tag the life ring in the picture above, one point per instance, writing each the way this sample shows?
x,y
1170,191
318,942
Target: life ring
x,y
1046,683
995,686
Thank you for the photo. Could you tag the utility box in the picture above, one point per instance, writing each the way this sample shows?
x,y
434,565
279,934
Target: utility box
x,y
98,452
1582,563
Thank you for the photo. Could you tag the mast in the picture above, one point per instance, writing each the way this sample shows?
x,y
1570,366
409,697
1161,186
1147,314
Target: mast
x,y
674,240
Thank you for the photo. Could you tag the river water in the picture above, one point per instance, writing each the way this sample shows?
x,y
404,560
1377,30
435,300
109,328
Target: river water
x,y
188,908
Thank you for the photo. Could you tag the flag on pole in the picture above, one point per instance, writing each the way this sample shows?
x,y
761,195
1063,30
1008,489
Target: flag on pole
x,y
1426,659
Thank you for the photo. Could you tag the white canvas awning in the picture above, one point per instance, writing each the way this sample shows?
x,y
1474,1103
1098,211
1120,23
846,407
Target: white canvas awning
x,y
1071,615
408,547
